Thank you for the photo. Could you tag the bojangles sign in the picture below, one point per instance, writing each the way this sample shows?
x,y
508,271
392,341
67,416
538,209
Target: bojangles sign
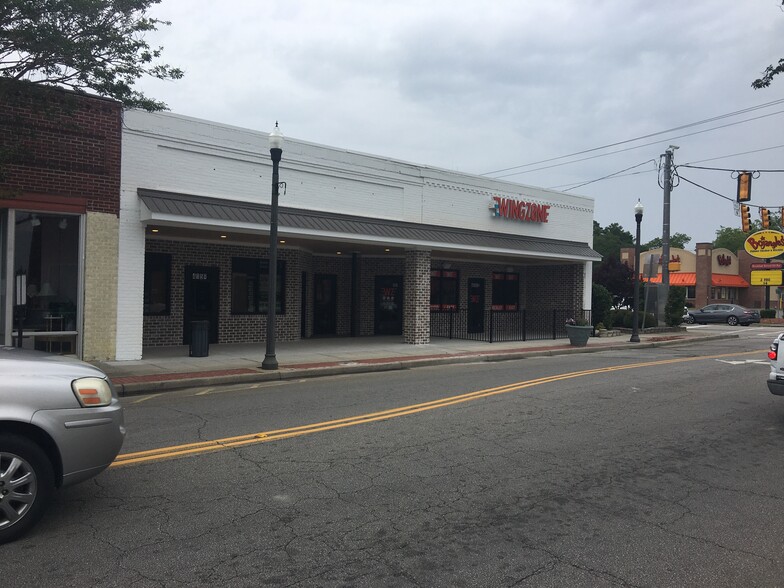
x,y
764,244
520,210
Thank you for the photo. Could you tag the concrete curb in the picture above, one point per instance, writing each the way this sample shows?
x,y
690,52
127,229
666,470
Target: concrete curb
x,y
350,367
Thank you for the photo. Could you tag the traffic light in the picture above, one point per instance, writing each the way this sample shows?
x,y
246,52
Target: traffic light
x,y
745,218
744,186
765,218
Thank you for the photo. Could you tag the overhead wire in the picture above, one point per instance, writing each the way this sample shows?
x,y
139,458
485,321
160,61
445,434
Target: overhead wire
x,y
698,123
620,174
638,146
609,175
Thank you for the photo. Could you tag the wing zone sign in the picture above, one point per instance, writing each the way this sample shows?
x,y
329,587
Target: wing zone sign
x,y
520,210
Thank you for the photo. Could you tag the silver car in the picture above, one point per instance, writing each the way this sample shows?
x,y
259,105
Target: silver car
x,y
60,423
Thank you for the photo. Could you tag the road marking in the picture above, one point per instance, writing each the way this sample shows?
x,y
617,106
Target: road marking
x,y
744,361
279,434
143,399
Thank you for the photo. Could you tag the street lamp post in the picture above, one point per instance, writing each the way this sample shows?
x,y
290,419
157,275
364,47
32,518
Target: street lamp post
x,y
635,338
276,151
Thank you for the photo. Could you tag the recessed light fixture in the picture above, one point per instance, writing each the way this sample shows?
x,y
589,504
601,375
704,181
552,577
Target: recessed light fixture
x,y
154,230
340,253
282,241
223,236
387,249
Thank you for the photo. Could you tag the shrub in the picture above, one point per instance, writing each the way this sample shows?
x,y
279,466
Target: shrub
x,y
768,313
601,303
628,319
673,310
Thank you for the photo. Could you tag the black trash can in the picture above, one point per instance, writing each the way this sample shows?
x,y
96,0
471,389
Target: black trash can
x,y
200,339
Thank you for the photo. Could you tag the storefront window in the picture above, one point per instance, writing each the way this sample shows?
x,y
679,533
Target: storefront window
x,y
249,286
46,250
444,289
157,280
506,291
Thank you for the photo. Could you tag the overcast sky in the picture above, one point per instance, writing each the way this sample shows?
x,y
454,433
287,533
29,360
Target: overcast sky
x,y
480,87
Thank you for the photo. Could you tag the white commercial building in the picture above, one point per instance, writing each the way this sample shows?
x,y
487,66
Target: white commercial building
x,y
367,245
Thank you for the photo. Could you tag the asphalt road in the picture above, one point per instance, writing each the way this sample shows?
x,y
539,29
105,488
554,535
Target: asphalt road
x,y
654,468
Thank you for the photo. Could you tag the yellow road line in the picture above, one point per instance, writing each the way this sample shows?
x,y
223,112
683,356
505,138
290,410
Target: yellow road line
x,y
287,433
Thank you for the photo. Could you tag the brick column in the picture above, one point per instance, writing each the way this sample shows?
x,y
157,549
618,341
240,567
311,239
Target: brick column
x,y
704,274
416,304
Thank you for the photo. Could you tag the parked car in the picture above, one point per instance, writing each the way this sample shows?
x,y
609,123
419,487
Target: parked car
x,y
776,375
732,314
60,423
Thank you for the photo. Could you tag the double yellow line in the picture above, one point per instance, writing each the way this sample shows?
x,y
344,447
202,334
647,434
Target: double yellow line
x,y
278,434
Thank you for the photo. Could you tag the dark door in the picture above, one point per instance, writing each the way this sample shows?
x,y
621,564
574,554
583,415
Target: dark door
x,y
476,305
201,300
325,294
303,308
389,305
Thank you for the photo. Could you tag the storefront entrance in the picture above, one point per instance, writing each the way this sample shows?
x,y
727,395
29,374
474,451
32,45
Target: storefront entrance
x,y
201,300
389,305
325,304
476,305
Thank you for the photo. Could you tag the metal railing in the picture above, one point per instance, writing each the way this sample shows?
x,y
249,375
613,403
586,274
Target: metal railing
x,y
503,325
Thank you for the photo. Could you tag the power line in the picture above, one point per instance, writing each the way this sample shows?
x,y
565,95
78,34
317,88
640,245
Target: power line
x,y
620,174
609,175
722,169
707,189
723,196
735,155
632,148
705,121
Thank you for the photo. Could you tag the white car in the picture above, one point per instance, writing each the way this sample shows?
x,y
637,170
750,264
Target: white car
x,y
60,423
776,375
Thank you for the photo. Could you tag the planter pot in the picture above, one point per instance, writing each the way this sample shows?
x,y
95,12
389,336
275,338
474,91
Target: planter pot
x,y
578,334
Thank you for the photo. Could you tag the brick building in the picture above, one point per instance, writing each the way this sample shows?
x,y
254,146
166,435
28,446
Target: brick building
x,y
367,245
59,219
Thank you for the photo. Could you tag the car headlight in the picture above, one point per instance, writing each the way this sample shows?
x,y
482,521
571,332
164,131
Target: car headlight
x,y
91,392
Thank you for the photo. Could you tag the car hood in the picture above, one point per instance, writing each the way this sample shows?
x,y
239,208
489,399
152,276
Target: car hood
x,y
21,362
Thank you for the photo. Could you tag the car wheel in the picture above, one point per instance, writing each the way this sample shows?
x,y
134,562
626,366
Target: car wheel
x,y
732,320
689,320
26,485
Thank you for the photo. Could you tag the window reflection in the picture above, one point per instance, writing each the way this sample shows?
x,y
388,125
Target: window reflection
x,y
46,248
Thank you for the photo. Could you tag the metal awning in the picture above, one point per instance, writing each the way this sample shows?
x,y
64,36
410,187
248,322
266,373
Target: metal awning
x,y
186,209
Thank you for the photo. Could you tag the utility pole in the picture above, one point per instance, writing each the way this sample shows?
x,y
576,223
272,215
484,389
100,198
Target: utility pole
x,y
665,283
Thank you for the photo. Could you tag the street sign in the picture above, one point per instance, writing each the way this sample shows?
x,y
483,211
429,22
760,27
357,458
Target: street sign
x,y
766,278
767,266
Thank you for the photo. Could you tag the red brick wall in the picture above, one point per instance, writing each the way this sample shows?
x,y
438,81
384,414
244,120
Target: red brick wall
x,y
59,143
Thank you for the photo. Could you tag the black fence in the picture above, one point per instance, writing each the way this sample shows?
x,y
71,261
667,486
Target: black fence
x,y
504,325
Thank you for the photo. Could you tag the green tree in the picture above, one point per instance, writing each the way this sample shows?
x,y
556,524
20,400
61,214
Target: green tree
x,y
732,238
609,240
678,240
770,71
617,277
93,45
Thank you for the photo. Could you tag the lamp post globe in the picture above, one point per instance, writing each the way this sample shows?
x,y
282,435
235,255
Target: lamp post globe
x,y
635,338
276,151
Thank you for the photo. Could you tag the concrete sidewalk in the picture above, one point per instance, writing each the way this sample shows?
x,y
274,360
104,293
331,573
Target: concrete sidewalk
x,y
170,368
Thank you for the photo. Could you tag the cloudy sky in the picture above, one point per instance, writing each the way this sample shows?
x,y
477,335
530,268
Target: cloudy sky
x,y
502,85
